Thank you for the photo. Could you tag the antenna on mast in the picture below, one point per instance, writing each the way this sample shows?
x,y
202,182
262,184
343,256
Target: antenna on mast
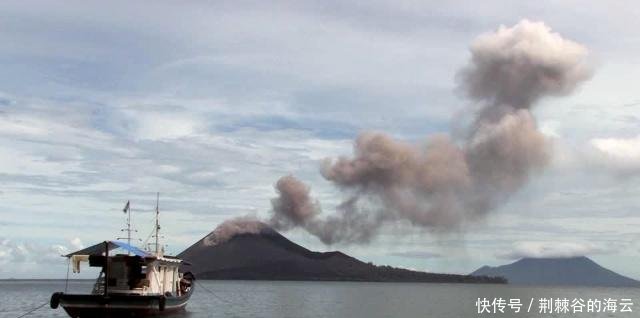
x,y
127,210
157,223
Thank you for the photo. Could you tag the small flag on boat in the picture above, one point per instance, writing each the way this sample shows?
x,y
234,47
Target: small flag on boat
x,y
126,207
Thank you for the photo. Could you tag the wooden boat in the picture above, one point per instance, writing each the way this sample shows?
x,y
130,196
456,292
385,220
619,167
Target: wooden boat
x,y
139,283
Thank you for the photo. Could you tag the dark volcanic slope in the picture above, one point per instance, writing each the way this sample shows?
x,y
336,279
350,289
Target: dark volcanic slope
x,y
271,256
576,271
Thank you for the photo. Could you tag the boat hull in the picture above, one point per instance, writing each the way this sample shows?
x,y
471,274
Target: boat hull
x,y
100,306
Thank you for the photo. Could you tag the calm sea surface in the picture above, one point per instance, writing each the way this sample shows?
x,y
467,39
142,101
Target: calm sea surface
x,y
335,299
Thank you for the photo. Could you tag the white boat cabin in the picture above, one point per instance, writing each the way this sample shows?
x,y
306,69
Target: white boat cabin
x,y
137,272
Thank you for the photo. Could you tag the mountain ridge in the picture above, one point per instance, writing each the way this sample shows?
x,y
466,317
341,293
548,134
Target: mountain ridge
x,y
267,255
569,271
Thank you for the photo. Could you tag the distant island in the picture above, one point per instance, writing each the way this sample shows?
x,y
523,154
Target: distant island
x,y
574,271
267,255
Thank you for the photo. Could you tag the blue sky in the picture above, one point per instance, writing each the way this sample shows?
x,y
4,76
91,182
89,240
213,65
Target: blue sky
x,y
209,103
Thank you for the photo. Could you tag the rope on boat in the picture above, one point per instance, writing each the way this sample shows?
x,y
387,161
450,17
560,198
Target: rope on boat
x,y
32,310
214,294
66,281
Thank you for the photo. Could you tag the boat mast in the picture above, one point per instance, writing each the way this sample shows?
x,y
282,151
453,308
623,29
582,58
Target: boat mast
x,y
106,268
157,224
129,224
129,230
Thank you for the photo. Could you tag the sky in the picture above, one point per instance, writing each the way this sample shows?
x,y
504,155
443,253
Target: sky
x,y
209,103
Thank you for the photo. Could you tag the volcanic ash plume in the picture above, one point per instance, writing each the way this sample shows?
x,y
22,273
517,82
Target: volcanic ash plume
x,y
232,227
294,205
515,67
442,183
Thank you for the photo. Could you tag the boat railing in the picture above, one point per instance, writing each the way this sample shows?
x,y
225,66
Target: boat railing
x,y
98,287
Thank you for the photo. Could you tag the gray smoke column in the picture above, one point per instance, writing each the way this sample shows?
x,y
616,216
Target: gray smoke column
x,y
232,227
294,204
443,184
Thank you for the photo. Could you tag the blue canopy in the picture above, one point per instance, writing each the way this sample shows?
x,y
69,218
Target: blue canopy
x,y
98,249
134,250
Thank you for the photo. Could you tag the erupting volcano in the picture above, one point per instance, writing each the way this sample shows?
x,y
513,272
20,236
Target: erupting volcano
x,y
264,254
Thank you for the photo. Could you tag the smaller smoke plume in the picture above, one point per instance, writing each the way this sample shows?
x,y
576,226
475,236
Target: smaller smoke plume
x,y
294,205
296,208
232,227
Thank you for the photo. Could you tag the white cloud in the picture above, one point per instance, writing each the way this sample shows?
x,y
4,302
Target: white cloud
x,y
23,259
12,252
541,249
627,149
76,243
160,123
622,155
166,127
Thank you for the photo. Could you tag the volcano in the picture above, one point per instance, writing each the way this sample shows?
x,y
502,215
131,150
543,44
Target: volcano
x,y
267,255
572,271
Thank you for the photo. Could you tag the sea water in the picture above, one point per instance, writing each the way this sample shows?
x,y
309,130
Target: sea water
x,y
347,299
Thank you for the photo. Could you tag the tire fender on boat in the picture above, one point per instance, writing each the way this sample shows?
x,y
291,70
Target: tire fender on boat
x,y
55,300
162,302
